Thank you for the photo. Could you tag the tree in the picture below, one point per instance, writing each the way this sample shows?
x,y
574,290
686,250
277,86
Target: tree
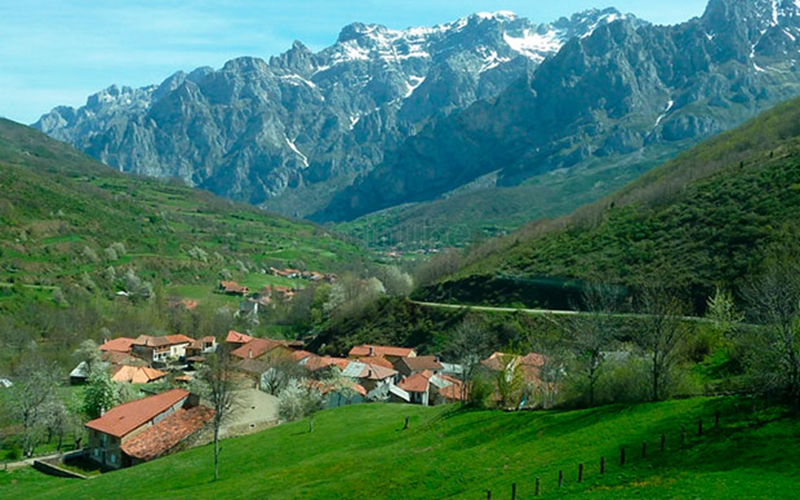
x,y
468,344
281,371
510,381
721,310
592,332
662,330
32,391
219,389
87,351
101,394
299,399
774,303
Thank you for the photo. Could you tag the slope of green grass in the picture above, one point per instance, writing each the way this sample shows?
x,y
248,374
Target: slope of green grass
x,y
707,217
57,203
361,452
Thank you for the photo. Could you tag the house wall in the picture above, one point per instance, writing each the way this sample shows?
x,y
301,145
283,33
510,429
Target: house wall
x,y
105,449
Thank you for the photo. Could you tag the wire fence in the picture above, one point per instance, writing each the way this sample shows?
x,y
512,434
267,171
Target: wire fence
x,y
627,454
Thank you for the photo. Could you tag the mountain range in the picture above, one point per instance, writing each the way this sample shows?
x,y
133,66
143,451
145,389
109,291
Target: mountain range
x,y
490,111
290,132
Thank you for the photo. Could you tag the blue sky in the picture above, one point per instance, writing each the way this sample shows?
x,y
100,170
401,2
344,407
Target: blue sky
x,y
59,51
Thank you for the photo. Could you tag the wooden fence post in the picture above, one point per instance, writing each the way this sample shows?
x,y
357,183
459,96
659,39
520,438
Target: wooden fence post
x,y
663,442
488,494
644,449
602,465
580,473
622,456
536,491
513,491
560,478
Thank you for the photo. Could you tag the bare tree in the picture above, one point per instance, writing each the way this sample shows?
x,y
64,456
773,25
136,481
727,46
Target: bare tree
x,y
662,330
592,333
468,344
774,302
219,388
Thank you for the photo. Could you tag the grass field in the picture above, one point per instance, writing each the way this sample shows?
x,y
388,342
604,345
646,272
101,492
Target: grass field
x,y
361,452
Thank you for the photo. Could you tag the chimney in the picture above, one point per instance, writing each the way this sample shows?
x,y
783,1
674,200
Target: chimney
x,y
371,351
250,353
369,373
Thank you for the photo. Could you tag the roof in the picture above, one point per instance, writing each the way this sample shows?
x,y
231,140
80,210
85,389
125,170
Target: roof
x,y
232,287
357,369
376,360
122,358
300,355
198,344
421,363
417,382
164,341
257,348
381,350
127,417
168,433
498,361
119,344
533,359
136,374
235,337
313,363
451,392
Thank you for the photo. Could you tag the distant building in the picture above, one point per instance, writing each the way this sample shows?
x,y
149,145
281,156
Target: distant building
x,y
161,349
232,288
393,354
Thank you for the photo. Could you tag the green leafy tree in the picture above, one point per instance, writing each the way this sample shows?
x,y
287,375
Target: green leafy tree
x,y
101,394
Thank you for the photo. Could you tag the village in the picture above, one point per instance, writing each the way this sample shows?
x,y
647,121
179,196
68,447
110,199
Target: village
x,y
175,418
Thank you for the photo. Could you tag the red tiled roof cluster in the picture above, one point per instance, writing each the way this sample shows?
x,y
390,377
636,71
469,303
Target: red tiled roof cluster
x,y
379,350
127,417
120,344
168,433
417,382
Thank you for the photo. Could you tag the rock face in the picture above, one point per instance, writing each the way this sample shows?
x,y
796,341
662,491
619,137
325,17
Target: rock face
x,y
290,133
616,95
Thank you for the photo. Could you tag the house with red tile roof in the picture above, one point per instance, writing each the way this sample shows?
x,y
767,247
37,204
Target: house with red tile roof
x,y
531,364
237,338
417,386
167,436
161,349
393,354
111,434
315,364
427,388
205,345
409,366
266,350
136,374
119,344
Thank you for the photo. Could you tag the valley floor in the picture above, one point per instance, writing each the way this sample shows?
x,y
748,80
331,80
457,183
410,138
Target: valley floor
x,y
362,452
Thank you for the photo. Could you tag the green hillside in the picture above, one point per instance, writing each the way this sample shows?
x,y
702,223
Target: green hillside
x,y
60,210
361,452
708,217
